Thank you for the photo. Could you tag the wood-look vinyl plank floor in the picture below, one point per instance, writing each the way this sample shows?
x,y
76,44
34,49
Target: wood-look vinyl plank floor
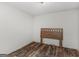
x,y
35,49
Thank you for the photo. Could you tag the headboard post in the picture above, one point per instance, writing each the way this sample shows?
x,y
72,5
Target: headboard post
x,y
41,37
60,42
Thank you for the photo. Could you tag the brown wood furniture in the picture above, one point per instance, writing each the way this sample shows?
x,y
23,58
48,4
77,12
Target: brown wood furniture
x,y
53,33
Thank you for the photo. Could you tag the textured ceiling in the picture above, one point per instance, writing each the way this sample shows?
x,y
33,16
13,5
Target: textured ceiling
x,y
36,8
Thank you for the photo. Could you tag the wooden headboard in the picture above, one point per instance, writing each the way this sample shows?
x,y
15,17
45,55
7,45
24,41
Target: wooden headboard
x,y
53,33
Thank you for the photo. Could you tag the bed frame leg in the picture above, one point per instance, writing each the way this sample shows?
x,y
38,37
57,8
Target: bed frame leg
x,y
60,43
41,41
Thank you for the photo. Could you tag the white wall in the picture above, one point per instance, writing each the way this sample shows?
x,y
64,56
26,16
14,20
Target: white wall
x,y
15,29
66,20
78,28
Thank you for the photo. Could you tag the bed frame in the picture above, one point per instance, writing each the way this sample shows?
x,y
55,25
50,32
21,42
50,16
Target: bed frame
x,y
52,33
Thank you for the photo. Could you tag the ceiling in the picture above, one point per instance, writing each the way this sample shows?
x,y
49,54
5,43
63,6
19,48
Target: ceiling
x,y
36,8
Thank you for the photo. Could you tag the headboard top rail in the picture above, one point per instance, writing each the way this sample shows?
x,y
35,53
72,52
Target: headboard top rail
x,y
52,29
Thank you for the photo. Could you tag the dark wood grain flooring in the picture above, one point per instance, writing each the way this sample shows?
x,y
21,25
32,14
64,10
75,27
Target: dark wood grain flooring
x,y
43,50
